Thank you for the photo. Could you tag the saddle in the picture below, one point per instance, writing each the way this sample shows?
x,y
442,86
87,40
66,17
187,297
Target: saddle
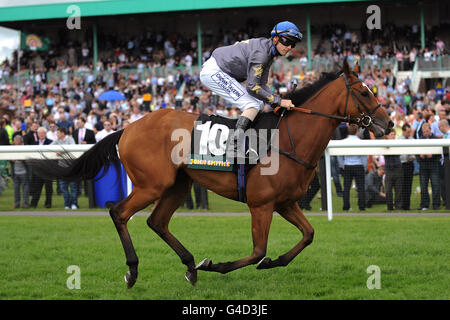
x,y
211,147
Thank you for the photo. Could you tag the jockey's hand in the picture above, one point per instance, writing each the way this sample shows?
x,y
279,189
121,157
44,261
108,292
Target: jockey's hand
x,y
286,103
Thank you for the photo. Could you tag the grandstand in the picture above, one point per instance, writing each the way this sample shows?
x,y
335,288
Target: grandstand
x,y
195,27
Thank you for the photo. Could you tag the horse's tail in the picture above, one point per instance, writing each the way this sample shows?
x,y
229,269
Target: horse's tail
x,y
102,154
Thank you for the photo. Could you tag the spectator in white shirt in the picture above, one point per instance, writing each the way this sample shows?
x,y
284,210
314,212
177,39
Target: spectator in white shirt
x,y
107,130
354,168
51,133
136,115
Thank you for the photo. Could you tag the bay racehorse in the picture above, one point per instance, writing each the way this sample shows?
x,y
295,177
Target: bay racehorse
x,y
146,150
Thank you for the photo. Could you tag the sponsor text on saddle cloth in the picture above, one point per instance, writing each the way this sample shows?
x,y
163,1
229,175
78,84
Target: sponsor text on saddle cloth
x,y
212,149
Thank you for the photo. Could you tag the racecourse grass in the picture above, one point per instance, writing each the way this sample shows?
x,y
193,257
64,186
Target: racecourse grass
x,y
218,203
411,252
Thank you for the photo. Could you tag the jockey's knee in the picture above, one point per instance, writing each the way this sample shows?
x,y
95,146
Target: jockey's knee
x,y
250,112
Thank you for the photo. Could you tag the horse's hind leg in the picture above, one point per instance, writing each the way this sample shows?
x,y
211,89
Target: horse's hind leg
x,y
261,220
294,215
120,214
161,215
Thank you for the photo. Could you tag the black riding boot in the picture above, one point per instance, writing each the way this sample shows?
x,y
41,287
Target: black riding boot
x,y
242,124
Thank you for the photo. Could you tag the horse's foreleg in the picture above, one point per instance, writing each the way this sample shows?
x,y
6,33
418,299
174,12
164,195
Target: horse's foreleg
x,y
160,218
294,215
120,215
261,220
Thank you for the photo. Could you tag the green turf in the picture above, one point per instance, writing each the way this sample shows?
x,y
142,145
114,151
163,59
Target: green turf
x,y
412,254
220,204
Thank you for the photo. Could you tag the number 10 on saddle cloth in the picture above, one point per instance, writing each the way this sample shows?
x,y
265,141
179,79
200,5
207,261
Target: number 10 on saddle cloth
x,y
212,145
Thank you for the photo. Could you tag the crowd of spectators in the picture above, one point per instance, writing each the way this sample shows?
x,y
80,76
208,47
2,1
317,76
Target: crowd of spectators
x,y
152,49
72,100
390,42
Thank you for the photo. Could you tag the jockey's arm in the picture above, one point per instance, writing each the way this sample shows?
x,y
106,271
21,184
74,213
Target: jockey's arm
x,y
257,84
257,87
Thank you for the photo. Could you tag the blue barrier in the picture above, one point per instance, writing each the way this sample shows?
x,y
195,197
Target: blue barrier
x,y
110,189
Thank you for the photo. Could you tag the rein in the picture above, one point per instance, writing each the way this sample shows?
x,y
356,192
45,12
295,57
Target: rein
x,y
332,116
365,120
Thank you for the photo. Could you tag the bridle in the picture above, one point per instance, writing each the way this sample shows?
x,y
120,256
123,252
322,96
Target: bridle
x,y
365,120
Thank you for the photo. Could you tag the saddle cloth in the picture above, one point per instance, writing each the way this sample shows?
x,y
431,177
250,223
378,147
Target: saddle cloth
x,y
210,149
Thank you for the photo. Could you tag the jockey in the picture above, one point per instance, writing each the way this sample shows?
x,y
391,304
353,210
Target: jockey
x,y
249,60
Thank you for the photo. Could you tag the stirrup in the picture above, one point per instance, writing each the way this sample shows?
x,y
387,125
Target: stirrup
x,y
252,153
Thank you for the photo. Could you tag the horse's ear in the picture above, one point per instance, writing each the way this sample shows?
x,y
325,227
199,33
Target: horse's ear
x,y
346,68
357,69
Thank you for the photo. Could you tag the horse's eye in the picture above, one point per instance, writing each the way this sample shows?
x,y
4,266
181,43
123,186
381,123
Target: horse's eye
x,y
365,94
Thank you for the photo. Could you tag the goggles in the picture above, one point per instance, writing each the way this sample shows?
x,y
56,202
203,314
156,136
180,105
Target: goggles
x,y
285,41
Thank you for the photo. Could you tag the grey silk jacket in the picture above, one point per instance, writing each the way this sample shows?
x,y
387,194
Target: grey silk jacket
x,y
250,60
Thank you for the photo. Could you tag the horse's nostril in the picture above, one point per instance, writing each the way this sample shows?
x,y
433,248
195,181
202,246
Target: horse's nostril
x,y
389,127
391,124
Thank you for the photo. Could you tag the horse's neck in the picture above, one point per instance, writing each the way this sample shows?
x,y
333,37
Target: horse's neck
x,y
314,132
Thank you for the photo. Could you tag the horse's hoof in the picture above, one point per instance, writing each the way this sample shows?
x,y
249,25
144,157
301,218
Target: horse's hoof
x,y
264,263
129,279
204,264
191,276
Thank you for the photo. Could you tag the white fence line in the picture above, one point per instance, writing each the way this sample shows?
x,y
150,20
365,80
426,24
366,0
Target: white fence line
x,y
35,151
47,152
334,148
375,147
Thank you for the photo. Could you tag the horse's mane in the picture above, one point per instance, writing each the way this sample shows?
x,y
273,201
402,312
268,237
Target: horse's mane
x,y
301,95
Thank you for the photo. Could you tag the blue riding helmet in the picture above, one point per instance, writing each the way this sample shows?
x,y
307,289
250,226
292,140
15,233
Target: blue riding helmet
x,y
287,29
